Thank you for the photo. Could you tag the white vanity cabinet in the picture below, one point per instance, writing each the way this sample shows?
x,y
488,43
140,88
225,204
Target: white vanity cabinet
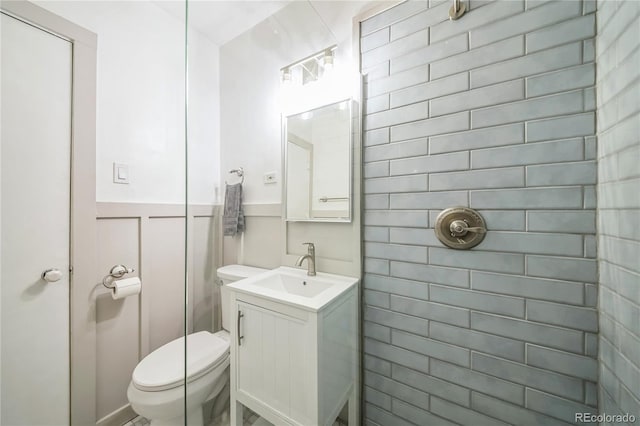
x,y
290,364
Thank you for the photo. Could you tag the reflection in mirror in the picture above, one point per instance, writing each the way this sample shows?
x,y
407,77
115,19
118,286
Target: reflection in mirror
x,y
318,164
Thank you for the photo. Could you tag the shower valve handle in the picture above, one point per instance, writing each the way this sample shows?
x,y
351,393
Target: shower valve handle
x,y
460,227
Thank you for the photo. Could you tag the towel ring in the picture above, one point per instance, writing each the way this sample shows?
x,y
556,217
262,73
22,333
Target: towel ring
x,y
240,172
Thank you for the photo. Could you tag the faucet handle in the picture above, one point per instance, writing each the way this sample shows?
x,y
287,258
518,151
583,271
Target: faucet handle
x,y
311,247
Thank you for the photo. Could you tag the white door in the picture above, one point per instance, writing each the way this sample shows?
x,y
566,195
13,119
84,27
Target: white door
x,y
299,180
35,199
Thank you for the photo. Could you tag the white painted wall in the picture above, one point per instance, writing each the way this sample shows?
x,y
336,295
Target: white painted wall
x,y
204,120
250,95
251,102
140,98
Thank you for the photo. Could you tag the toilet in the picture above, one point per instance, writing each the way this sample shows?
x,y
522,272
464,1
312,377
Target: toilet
x,y
157,388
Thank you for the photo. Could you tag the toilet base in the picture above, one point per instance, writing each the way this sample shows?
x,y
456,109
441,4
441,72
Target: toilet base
x,y
221,402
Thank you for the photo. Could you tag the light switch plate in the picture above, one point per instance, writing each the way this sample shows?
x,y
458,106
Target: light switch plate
x,y
120,173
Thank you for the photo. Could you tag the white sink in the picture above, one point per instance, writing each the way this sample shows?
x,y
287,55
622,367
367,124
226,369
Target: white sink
x,y
300,286
294,287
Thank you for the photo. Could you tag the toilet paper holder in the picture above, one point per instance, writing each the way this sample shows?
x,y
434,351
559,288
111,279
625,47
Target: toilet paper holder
x,y
117,272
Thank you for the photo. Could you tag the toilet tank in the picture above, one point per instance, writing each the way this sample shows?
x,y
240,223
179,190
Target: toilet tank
x,y
228,274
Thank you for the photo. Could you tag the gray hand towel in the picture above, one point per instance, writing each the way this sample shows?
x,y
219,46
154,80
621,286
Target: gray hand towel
x,y
233,216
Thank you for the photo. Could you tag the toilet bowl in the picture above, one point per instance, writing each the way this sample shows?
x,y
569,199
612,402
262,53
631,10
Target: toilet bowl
x,y
157,388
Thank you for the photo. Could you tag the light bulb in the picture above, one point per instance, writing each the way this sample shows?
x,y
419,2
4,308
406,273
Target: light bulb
x,y
327,59
286,76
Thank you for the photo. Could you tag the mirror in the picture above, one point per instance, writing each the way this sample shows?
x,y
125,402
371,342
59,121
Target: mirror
x,y
317,150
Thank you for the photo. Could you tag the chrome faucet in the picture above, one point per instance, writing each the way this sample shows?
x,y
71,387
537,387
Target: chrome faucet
x,y
311,259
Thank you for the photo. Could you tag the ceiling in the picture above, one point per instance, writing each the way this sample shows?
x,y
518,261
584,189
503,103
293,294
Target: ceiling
x,y
223,20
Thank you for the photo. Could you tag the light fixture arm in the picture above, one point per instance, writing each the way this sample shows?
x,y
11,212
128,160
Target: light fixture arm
x,y
457,10
315,55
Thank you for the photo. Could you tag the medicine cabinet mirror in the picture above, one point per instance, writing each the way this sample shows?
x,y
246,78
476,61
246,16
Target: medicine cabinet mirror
x,y
317,158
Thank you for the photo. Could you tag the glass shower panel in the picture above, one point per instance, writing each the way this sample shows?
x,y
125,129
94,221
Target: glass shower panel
x,y
203,212
142,95
52,310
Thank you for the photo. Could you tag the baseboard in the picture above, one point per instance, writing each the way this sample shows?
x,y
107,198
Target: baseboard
x,y
119,417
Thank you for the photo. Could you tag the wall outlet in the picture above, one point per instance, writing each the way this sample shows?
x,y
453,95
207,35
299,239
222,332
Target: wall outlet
x,y
270,177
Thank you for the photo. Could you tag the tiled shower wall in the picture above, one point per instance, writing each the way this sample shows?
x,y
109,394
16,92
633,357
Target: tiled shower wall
x,y
618,47
495,111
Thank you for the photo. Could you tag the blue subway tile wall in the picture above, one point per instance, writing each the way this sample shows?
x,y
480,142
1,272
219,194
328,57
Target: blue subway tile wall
x,y
618,71
495,111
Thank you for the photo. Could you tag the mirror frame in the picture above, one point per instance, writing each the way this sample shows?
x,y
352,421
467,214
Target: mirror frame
x,y
285,165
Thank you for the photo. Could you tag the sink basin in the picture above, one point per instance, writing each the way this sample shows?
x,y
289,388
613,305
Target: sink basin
x,y
293,286
286,283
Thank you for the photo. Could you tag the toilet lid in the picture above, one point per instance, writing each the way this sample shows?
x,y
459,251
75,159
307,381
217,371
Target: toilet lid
x,y
164,367
236,272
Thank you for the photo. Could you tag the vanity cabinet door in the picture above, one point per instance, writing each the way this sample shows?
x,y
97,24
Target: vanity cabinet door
x,y
275,364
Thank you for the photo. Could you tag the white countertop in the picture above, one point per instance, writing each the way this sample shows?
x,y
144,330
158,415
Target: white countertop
x,y
334,285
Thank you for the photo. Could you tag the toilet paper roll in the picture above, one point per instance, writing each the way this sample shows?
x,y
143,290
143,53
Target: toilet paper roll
x,y
126,287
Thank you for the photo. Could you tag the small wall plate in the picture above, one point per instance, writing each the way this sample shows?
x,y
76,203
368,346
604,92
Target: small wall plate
x,y
460,228
120,173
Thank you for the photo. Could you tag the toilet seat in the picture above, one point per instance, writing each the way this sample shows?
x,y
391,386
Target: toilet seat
x,y
164,368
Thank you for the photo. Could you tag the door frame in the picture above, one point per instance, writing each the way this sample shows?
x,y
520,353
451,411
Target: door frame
x,y
82,247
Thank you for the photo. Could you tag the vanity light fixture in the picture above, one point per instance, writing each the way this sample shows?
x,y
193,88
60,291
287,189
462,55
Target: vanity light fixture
x,y
309,69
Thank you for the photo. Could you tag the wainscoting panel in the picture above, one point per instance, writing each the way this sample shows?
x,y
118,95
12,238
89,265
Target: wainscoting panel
x,y
331,241
151,239
164,279
261,244
117,321
207,252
